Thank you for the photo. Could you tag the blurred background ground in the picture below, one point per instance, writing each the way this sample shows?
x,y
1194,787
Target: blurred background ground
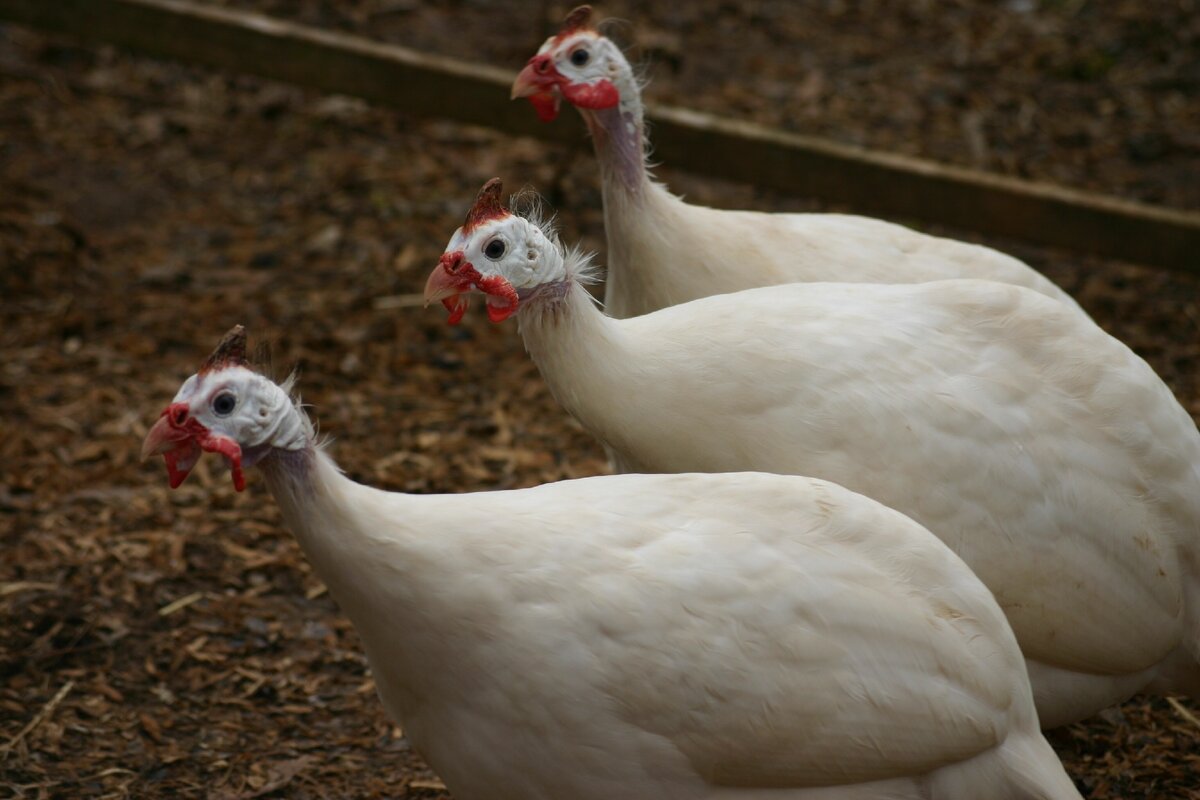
x,y
175,644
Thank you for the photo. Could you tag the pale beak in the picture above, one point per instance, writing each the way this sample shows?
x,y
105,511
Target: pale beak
x,y
539,75
448,282
525,84
542,84
173,437
163,436
180,439
445,281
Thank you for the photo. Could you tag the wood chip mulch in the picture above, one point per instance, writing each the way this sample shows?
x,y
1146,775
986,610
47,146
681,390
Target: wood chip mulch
x,y
164,644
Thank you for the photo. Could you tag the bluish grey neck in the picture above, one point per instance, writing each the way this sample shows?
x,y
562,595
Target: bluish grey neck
x,y
620,148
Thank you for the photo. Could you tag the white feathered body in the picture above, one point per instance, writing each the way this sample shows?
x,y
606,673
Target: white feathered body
x,y
678,636
1043,451
663,251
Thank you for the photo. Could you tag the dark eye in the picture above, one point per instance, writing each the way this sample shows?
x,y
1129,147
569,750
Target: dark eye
x,y
580,57
223,404
494,249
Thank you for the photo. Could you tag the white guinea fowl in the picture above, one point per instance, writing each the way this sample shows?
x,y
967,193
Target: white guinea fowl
x,y
646,637
662,251
1042,450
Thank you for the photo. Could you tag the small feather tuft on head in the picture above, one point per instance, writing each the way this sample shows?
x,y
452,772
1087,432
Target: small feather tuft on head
x,y
531,207
230,352
489,205
579,19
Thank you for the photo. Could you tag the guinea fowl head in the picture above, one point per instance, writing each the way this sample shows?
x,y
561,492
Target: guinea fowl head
x,y
577,63
507,257
226,408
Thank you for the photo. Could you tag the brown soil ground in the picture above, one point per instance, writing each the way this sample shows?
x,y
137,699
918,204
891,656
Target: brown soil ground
x,y
176,644
1096,94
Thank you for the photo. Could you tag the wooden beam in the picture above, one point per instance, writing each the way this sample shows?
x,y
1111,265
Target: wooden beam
x,y
432,86
899,186
241,42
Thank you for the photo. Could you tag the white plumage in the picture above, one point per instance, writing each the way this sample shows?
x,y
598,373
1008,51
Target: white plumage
x,y
649,637
662,251
1043,451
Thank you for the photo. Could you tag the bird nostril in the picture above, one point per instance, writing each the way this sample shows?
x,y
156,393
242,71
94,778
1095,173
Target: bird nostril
x,y
542,64
180,416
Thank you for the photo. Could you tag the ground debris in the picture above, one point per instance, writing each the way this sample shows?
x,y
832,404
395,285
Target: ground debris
x,y
176,644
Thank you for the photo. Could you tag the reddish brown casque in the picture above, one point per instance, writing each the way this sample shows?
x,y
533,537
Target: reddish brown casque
x,y
230,352
580,19
488,206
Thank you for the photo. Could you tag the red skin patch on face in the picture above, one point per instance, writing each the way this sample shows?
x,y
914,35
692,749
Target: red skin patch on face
x,y
594,96
180,438
454,271
499,288
542,83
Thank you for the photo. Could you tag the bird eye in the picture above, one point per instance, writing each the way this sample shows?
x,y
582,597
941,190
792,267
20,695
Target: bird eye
x,y
494,249
580,57
223,404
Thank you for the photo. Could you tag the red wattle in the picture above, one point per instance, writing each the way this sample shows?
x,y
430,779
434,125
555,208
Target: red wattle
x,y
546,105
231,450
595,96
465,275
499,287
500,313
181,439
457,306
177,474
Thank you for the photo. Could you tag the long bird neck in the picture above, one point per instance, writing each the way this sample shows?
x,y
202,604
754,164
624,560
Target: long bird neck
x,y
618,134
378,554
317,503
581,352
636,208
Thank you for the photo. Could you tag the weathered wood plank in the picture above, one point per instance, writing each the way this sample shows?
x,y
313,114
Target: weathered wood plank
x,y
237,41
433,86
899,186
